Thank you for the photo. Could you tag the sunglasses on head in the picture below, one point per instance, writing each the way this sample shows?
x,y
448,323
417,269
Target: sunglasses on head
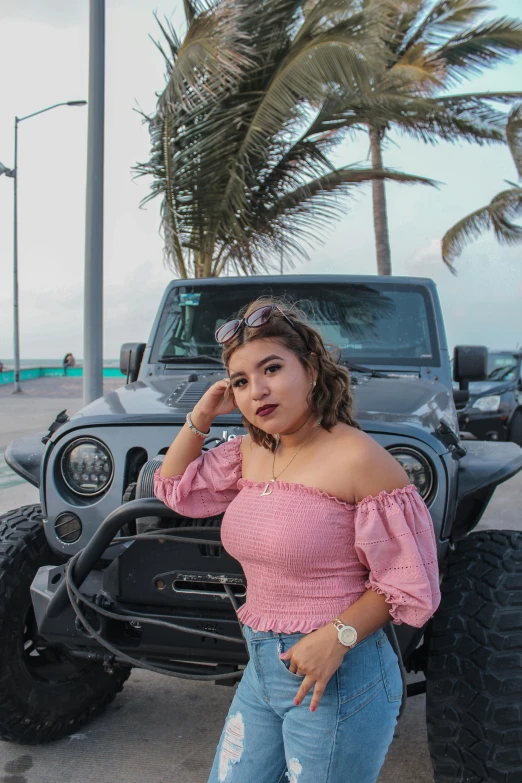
x,y
258,317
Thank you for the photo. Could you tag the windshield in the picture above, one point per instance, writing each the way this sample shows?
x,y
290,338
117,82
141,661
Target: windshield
x,y
503,373
380,324
497,363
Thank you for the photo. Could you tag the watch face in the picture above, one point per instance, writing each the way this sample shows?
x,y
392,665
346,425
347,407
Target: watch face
x,y
348,636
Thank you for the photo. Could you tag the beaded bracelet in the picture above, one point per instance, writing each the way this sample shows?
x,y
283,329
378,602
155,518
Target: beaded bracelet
x,y
194,429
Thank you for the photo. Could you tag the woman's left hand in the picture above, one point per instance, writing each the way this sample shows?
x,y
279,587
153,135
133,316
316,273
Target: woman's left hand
x,y
317,656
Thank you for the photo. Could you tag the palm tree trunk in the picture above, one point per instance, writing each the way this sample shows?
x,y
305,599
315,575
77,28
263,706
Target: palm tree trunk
x,y
199,264
203,262
380,216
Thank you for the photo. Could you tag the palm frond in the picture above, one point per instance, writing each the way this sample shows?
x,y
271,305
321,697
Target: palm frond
x,y
470,118
514,136
299,217
213,56
432,23
334,57
452,118
192,9
497,216
469,52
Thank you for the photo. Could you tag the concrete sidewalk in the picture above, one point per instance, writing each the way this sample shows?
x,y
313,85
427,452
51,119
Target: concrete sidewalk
x,y
39,402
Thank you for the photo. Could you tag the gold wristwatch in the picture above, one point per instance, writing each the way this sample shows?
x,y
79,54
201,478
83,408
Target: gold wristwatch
x,y
346,633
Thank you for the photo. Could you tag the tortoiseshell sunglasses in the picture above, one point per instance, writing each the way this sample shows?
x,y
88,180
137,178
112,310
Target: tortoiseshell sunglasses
x,y
257,317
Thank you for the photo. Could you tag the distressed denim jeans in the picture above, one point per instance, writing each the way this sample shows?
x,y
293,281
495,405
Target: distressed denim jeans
x,y
267,739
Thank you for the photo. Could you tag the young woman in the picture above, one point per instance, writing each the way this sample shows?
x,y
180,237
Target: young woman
x,y
331,551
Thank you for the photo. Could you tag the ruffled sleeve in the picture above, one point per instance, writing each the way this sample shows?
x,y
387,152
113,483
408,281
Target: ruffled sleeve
x,y
208,484
395,541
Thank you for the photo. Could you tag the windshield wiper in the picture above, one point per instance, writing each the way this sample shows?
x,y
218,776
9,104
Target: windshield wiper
x,y
201,357
365,370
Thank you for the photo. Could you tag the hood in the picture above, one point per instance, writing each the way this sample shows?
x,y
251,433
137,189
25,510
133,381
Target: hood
x,y
480,388
416,401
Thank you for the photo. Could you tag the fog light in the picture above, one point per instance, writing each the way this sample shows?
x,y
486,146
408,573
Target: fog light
x,y
68,528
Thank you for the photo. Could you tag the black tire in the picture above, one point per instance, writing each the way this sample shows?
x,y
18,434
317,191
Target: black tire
x,y
515,431
44,695
474,675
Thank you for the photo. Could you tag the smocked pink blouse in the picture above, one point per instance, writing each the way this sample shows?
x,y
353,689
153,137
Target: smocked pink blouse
x,y
308,556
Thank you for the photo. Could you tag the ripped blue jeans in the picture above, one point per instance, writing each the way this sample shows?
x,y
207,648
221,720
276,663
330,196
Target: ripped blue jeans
x,y
266,739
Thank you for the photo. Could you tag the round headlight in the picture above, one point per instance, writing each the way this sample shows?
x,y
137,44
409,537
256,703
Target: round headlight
x,y
417,467
87,466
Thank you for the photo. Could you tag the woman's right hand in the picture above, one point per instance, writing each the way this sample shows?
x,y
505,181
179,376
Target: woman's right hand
x,y
217,401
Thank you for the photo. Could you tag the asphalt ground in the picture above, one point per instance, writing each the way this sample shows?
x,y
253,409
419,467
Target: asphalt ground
x,y
163,730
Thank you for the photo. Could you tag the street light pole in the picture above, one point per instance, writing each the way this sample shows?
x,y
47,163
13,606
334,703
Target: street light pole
x,y
14,174
93,290
16,331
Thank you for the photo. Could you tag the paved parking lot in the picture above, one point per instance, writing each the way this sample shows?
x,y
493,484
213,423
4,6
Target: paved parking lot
x,y
163,730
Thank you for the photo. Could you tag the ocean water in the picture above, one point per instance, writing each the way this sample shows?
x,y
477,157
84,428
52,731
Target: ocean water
x,y
26,363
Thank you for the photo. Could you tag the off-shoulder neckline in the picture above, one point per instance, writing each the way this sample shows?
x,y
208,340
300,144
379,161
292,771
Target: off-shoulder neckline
x,y
292,486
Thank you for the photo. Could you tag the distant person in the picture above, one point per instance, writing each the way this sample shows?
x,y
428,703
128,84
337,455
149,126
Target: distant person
x,y
1,366
68,361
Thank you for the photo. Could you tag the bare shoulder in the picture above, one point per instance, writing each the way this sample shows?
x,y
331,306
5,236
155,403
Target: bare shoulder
x,y
371,468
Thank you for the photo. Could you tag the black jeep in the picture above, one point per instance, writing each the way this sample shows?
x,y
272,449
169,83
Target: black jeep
x,y
494,408
101,577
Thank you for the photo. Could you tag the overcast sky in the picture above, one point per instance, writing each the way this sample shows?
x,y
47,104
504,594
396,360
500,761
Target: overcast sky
x,y
44,60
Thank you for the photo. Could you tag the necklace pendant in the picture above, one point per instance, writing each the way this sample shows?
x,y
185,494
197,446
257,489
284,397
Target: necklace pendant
x,y
268,489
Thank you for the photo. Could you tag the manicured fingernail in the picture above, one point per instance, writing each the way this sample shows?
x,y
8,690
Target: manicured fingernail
x,y
312,708
296,702
282,655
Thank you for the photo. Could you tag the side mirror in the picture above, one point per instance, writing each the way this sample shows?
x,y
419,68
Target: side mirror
x,y
131,355
470,363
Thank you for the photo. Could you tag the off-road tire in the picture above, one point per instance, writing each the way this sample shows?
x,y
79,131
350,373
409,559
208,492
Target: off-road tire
x,y
44,695
474,674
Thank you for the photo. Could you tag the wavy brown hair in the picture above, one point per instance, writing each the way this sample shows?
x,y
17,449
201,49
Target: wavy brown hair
x,y
331,398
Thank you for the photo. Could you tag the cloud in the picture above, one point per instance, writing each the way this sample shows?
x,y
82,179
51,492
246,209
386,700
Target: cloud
x,y
53,12
426,261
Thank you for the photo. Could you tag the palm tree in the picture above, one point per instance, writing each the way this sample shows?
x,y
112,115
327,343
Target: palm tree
x,y
255,101
499,214
433,45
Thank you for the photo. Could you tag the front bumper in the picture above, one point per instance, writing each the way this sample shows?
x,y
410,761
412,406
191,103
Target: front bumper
x,y
483,426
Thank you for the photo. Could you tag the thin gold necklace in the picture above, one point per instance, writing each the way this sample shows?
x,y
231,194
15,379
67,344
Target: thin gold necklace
x,y
268,489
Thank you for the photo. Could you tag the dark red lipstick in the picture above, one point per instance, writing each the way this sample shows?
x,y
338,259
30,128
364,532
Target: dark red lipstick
x,y
265,410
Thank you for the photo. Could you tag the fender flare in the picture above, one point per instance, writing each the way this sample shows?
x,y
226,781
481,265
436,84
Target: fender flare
x,y
25,456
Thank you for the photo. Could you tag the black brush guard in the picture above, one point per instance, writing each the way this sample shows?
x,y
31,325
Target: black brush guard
x,y
175,594
190,581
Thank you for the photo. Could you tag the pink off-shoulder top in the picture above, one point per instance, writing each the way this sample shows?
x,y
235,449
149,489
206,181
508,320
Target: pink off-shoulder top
x,y
308,556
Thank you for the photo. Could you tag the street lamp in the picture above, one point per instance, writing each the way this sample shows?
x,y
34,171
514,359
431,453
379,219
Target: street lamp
x,y
14,174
